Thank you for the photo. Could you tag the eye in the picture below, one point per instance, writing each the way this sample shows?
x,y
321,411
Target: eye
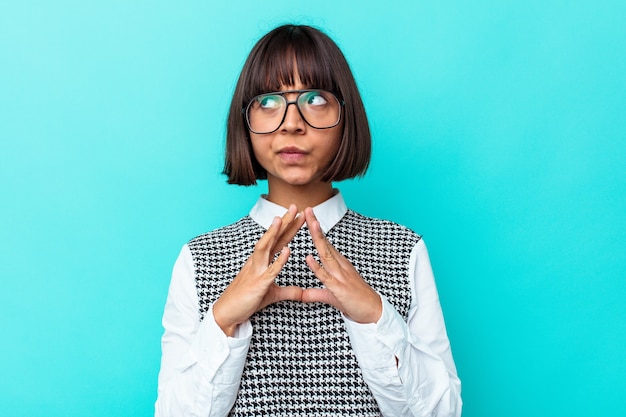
x,y
269,101
315,98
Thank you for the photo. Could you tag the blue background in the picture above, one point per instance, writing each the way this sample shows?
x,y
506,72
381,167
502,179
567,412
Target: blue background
x,y
499,134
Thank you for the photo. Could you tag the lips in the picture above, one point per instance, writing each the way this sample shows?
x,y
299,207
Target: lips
x,y
292,154
291,149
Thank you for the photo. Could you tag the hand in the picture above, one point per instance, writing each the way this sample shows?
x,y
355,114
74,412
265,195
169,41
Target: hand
x,y
254,288
345,289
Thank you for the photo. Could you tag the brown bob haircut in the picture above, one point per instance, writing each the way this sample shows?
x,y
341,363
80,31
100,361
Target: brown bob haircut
x,y
319,64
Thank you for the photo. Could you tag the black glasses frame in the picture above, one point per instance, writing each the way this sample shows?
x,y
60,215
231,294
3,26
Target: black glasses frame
x,y
245,110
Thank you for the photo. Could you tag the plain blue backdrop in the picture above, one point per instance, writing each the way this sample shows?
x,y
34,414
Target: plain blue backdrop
x,y
499,134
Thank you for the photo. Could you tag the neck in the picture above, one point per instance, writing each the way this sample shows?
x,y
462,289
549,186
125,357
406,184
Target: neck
x,y
303,196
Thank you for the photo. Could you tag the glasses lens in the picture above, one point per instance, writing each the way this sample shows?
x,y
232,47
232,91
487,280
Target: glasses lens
x,y
265,112
320,109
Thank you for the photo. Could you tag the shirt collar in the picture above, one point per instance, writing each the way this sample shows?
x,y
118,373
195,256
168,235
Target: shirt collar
x,y
328,213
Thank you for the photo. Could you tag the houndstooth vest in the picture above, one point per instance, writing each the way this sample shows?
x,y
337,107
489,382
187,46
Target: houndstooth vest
x,y
300,360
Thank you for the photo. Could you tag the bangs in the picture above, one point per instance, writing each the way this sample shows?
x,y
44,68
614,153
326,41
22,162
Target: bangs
x,y
287,57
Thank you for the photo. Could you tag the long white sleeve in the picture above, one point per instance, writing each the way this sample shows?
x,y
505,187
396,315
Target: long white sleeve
x,y
408,365
200,366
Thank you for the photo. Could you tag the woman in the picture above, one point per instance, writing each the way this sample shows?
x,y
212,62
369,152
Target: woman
x,y
303,307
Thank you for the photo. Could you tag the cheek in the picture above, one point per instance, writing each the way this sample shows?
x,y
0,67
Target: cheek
x,y
258,147
334,143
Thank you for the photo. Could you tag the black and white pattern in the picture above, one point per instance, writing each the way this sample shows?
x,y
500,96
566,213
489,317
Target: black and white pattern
x,y
300,361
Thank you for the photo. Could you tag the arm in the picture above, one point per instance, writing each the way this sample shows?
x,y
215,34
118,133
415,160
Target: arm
x,y
409,366
200,366
202,362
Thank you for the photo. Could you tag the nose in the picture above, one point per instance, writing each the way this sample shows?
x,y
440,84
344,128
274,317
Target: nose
x,y
293,121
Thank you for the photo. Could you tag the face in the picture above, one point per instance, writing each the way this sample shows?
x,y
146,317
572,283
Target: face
x,y
296,154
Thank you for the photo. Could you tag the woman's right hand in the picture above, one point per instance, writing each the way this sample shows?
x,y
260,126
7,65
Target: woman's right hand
x,y
254,288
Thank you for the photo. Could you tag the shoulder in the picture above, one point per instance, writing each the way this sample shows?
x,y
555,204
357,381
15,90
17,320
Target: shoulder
x,y
373,233
376,225
235,231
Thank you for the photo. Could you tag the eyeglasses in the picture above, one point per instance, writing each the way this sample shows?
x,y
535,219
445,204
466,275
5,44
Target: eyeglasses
x,y
319,109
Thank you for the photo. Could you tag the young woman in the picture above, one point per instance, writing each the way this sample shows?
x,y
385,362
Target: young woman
x,y
303,307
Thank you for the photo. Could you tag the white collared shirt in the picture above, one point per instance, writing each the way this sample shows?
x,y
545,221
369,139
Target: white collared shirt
x,y
407,365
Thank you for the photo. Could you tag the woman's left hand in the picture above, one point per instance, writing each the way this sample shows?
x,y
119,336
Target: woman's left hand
x,y
345,289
